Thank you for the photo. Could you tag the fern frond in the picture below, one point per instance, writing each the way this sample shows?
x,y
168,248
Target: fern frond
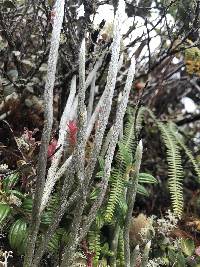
x,y
124,162
121,210
47,216
100,219
175,170
128,142
56,240
95,245
174,131
125,154
116,192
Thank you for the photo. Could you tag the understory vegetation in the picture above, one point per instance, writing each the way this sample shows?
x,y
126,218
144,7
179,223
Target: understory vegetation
x,y
99,133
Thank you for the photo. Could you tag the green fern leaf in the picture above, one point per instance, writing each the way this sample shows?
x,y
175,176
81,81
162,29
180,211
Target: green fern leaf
x,y
47,216
124,162
95,245
175,170
146,178
141,190
174,131
115,195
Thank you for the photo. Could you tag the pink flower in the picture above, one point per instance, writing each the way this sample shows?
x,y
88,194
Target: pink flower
x,y
52,147
72,131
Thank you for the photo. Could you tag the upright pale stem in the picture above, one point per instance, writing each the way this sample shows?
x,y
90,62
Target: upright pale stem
x,y
105,108
130,199
91,99
48,115
111,148
145,255
52,176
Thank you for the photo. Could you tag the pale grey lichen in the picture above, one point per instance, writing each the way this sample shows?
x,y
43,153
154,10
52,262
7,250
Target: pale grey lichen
x,y
46,135
53,172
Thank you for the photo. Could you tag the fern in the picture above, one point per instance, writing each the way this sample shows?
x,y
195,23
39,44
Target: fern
x,y
146,178
119,178
174,143
95,245
174,131
56,240
50,210
116,192
120,173
175,170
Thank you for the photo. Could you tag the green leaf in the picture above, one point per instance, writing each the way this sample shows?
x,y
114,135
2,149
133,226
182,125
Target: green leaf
x,y
17,193
187,246
105,250
125,154
10,181
172,256
5,210
101,165
123,206
94,194
27,205
146,178
46,218
99,220
17,234
55,241
48,214
142,190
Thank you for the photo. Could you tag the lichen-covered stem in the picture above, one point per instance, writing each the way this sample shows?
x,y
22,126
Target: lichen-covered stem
x,y
109,90
94,116
106,142
93,73
80,162
48,115
70,249
130,199
114,245
76,164
52,176
121,109
64,204
91,99
145,255
134,256
82,117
